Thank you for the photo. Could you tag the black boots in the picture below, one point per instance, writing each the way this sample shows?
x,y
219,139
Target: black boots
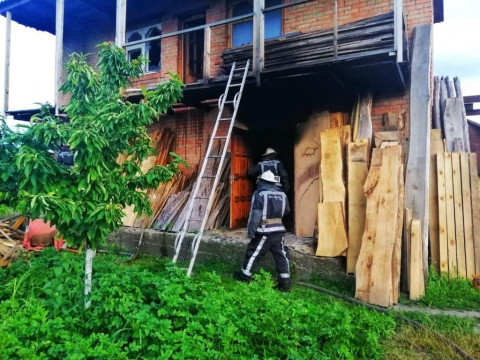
x,y
284,285
240,276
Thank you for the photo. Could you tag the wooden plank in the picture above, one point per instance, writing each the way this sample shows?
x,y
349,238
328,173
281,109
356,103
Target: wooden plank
x,y
475,209
467,216
357,171
443,98
436,147
459,93
442,214
306,172
331,166
451,240
418,165
375,283
365,128
436,104
417,284
397,250
332,233
458,201
337,120
453,125
407,249
390,121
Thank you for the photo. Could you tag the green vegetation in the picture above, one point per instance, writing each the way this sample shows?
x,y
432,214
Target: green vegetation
x,y
151,310
443,292
86,201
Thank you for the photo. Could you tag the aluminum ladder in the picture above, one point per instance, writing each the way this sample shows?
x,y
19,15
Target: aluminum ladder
x,y
216,169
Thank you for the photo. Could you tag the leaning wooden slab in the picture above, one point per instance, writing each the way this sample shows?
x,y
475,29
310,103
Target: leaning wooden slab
x,y
332,233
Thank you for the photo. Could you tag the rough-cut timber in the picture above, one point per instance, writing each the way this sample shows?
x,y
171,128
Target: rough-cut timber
x,y
418,165
357,171
451,238
459,93
458,201
453,125
365,117
467,216
307,177
417,284
331,166
374,272
442,214
332,233
475,209
436,147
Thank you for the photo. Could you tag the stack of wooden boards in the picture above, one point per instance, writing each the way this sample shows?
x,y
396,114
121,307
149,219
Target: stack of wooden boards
x,y
371,36
11,238
449,113
455,211
170,201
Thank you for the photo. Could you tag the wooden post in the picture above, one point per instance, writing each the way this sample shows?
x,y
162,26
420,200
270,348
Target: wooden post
x,y
206,55
8,31
335,29
418,165
398,28
121,15
258,38
466,134
59,16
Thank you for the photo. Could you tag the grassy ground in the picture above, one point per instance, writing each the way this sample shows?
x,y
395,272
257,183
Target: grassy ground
x,y
147,309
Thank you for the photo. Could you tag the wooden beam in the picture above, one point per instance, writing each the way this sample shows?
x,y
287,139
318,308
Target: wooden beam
x,y
206,55
357,171
454,134
59,19
8,38
451,240
474,186
458,90
332,232
436,147
418,165
335,29
417,284
442,214
258,39
121,22
436,104
467,216
458,201
398,29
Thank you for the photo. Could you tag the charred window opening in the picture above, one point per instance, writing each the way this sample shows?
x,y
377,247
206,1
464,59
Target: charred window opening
x,y
149,49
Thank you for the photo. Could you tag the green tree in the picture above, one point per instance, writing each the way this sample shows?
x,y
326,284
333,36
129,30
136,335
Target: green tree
x,y
86,201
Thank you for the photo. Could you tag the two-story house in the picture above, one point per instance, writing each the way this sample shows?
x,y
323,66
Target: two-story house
x,y
307,56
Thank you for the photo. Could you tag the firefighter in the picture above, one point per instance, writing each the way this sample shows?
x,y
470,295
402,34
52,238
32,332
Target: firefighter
x,y
266,230
270,162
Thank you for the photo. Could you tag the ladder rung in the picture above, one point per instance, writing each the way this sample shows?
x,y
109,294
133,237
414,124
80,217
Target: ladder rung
x,y
239,69
209,176
220,137
225,119
214,156
229,102
234,85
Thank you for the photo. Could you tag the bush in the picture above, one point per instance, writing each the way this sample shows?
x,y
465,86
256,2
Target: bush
x,y
157,312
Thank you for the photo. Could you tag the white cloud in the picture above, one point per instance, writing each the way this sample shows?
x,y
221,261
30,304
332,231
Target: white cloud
x,y
32,66
457,44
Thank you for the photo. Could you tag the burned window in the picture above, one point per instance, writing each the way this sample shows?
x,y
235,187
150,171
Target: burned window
x,y
148,49
242,32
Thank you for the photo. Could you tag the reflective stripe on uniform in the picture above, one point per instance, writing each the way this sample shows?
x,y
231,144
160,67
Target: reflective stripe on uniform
x,y
248,269
267,229
285,276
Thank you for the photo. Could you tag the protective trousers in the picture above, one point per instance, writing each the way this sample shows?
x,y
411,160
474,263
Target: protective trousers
x,y
259,246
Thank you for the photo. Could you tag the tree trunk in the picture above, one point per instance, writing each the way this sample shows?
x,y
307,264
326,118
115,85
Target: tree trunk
x,y
89,255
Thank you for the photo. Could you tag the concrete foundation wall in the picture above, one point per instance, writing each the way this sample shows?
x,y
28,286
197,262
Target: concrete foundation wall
x,y
231,250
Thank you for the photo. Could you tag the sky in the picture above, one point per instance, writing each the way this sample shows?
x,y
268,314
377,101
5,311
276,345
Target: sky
x,y
32,78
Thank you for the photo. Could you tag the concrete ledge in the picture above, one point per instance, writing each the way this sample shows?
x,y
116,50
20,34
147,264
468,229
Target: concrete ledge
x,y
230,247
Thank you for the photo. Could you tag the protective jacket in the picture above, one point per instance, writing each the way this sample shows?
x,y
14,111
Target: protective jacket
x,y
269,205
274,166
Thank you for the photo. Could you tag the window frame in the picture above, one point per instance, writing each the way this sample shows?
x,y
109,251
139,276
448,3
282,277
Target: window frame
x,y
145,45
237,2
